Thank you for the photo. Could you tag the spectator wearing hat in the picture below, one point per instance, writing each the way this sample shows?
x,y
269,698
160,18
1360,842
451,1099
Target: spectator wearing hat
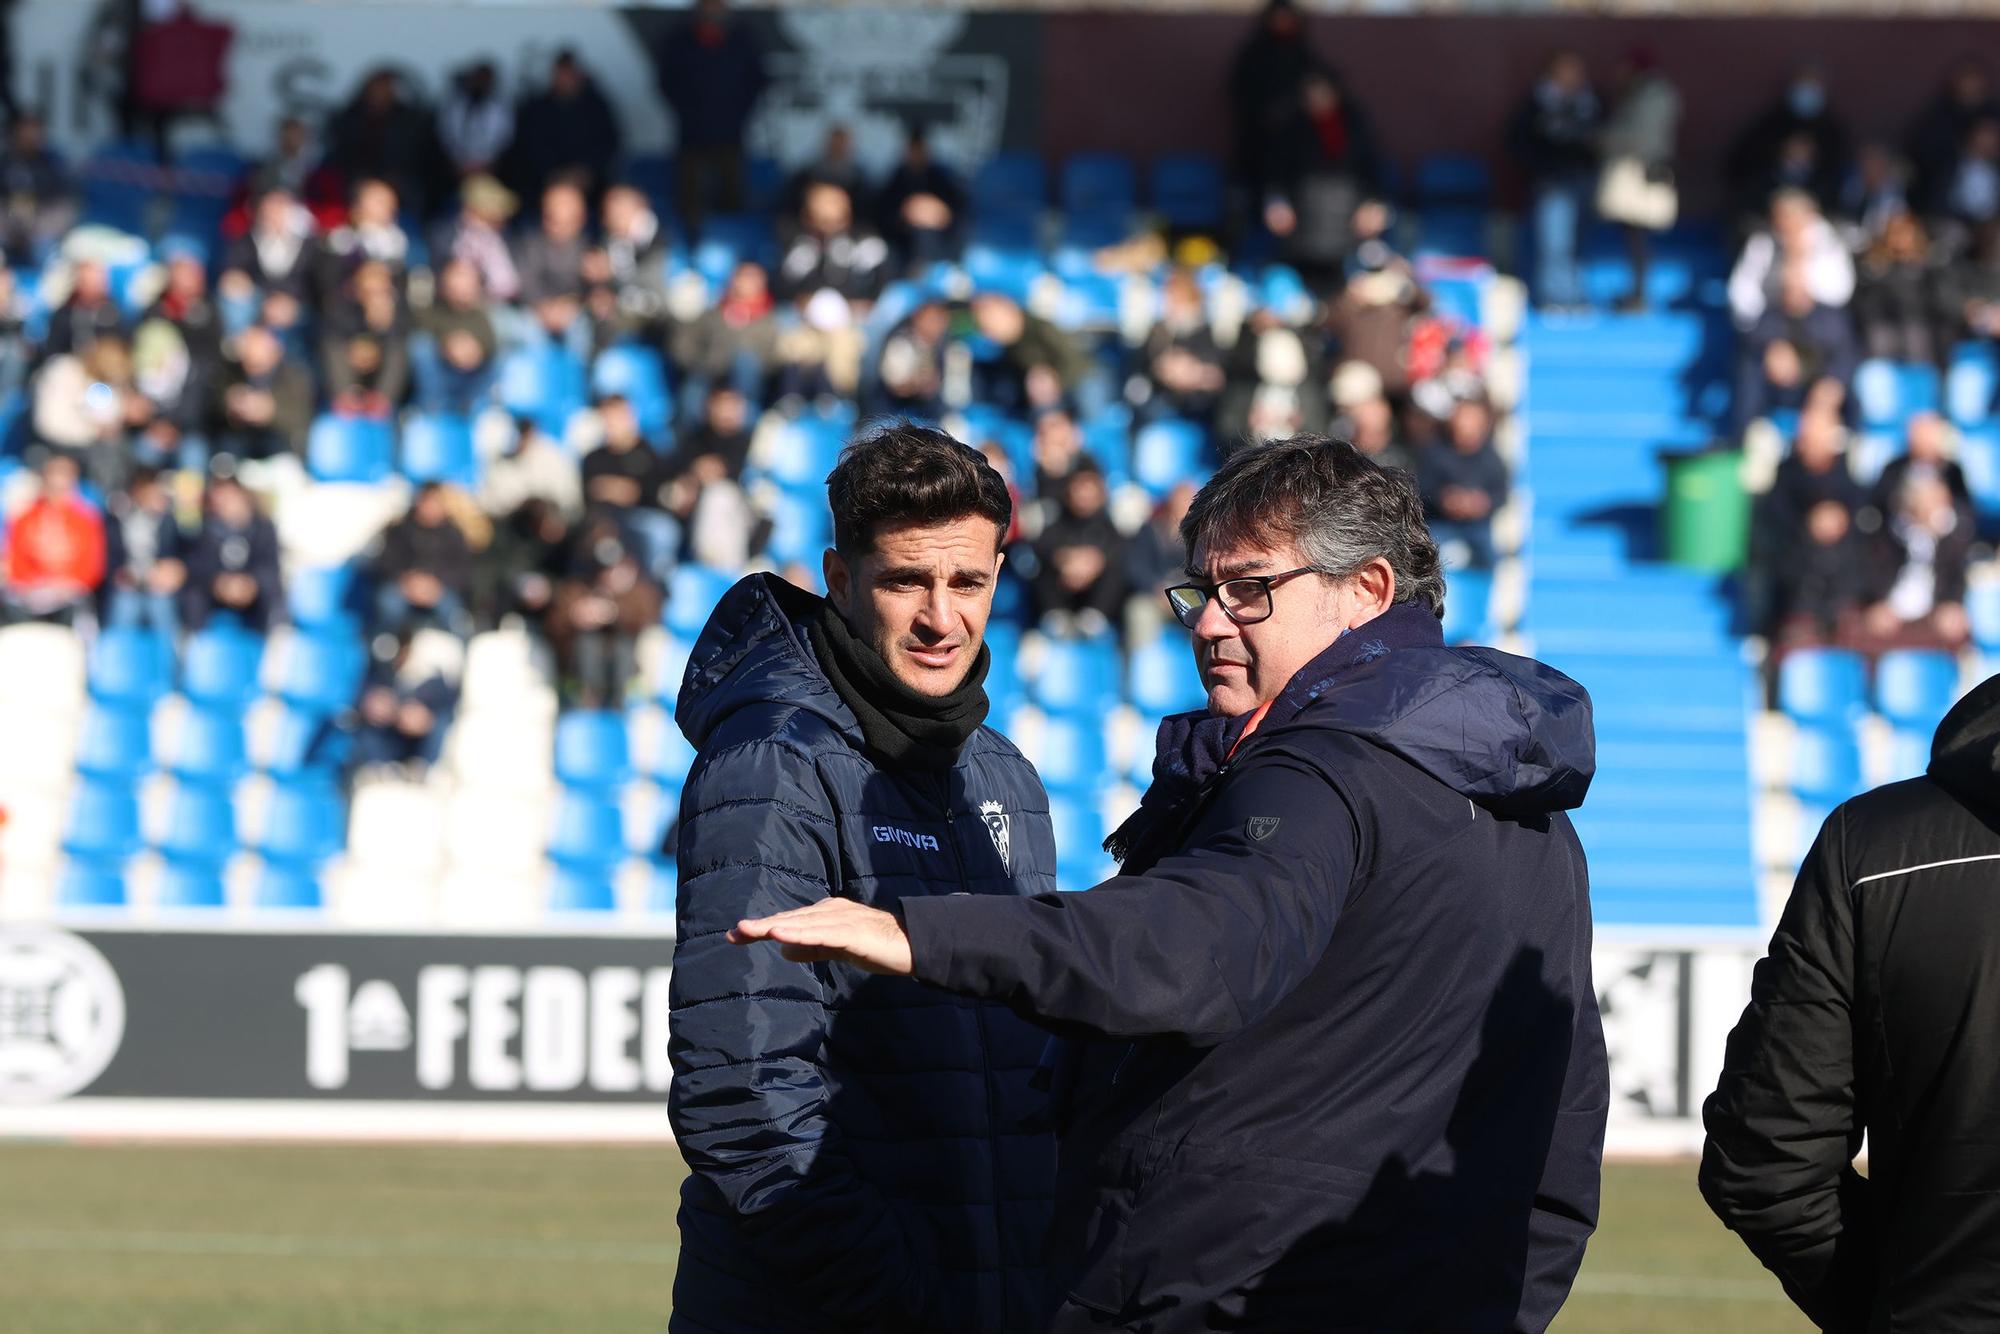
x,y
478,235
475,125
1463,482
407,699
423,568
598,612
1080,557
921,206
55,549
567,130
460,346
1555,139
232,562
143,552
265,405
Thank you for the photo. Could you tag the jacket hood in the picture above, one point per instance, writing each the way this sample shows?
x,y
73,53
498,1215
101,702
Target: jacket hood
x,y
1510,733
753,651
1965,754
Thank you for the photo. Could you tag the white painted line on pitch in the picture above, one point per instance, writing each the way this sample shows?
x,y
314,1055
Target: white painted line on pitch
x,y
1688,1288
264,1246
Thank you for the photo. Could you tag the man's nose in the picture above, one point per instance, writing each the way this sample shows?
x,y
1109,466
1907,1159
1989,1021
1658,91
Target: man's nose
x,y
1213,622
935,615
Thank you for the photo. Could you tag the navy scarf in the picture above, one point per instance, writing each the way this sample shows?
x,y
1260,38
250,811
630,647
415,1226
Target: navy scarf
x,y
1193,747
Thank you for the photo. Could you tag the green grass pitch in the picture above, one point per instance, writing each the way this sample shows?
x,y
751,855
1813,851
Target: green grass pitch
x,y
157,1239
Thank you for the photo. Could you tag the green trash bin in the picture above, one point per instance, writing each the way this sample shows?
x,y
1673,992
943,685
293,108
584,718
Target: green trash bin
x,y
1708,511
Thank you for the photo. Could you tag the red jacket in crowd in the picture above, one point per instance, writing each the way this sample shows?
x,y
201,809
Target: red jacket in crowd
x,y
56,542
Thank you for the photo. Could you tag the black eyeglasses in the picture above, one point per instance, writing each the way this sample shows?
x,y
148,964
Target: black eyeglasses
x,y
1245,599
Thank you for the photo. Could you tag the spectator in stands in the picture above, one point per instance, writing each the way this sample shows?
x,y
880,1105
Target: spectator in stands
x,y
622,477
733,340
1039,366
384,136
1973,196
478,235
1058,449
1555,140
832,249
88,313
530,467
1938,135
423,568
1184,373
922,206
17,346
1972,287
1265,84
1822,581
1156,555
143,545
1874,191
567,131
1368,421
518,572
407,699
1637,145
911,369
1796,349
275,255
178,392
296,166
87,406
365,353
630,259
265,406
712,452
461,347
372,234
185,304
598,613
1370,319
1922,556
1080,558
1277,385
1926,453
475,125
1797,235
232,562
1815,470
37,197
1796,144
711,72
1898,304
55,549
1463,482
1326,168
550,259
835,165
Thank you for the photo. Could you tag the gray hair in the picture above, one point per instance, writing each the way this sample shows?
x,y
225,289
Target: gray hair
x,y
1335,504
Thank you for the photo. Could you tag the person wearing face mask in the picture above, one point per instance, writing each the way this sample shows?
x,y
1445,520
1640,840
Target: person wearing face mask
x,y
1335,1058
1797,143
863,1153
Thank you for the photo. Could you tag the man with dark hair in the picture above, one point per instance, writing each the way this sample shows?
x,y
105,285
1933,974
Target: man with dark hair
x,y
1340,1061
863,1153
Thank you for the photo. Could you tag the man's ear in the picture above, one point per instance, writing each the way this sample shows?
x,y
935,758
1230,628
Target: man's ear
x,y
1374,591
839,581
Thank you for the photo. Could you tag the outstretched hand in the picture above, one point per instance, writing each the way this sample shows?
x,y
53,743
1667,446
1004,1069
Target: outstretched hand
x,y
835,929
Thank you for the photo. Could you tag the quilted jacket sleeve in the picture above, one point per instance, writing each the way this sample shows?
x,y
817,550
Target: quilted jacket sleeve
x,y
749,1101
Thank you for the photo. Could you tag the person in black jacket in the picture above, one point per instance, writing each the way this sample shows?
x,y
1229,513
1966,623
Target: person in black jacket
x,y
232,562
1555,138
1336,1059
864,1154
567,130
1870,1016
711,72
423,569
407,699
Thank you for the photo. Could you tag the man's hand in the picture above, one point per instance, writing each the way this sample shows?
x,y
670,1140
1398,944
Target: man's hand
x,y
836,929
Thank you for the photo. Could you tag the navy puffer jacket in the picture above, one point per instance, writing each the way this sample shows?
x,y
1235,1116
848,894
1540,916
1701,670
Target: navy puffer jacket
x,y
864,1153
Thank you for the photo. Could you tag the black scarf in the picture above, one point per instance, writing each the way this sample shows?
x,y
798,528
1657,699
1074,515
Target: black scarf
x,y
900,725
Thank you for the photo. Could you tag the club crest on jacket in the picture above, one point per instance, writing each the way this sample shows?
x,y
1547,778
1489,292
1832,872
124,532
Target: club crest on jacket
x,y
998,825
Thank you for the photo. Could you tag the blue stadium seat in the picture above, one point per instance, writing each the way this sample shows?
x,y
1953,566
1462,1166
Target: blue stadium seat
x,y
350,449
1826,765
639,375
670,767
663,891
1017,180
130,666
1279,288
1009,269
190,885
587,830
1888,392
304,741
119,182
1162,677
1166,453
322,672
115,743
304,824
1916,687
1979,455
1187,190
581,889
103,822
201,827
91,884
1077,676
592,750
439,449
1972,384
1826,686
1908,754
691,595
545,383
1095,229
1099,182
801,528
321,597
1982,608
210,748
288,886
805,453
219,666
1072,753
1008,226
1467,604
1452,229
1453,178
1079,836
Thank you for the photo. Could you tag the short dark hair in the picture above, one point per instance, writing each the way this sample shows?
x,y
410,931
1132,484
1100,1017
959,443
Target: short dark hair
x,y
902,473
1336,505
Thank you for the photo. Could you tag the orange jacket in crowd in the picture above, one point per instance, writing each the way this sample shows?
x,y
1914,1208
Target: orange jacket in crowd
x,y
56,542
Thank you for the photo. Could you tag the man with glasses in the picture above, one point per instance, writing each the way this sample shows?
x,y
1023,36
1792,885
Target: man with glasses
x,y
1334,1060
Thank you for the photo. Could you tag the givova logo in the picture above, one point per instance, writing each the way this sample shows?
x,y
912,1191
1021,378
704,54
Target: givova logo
x,y
888,833
62,1014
